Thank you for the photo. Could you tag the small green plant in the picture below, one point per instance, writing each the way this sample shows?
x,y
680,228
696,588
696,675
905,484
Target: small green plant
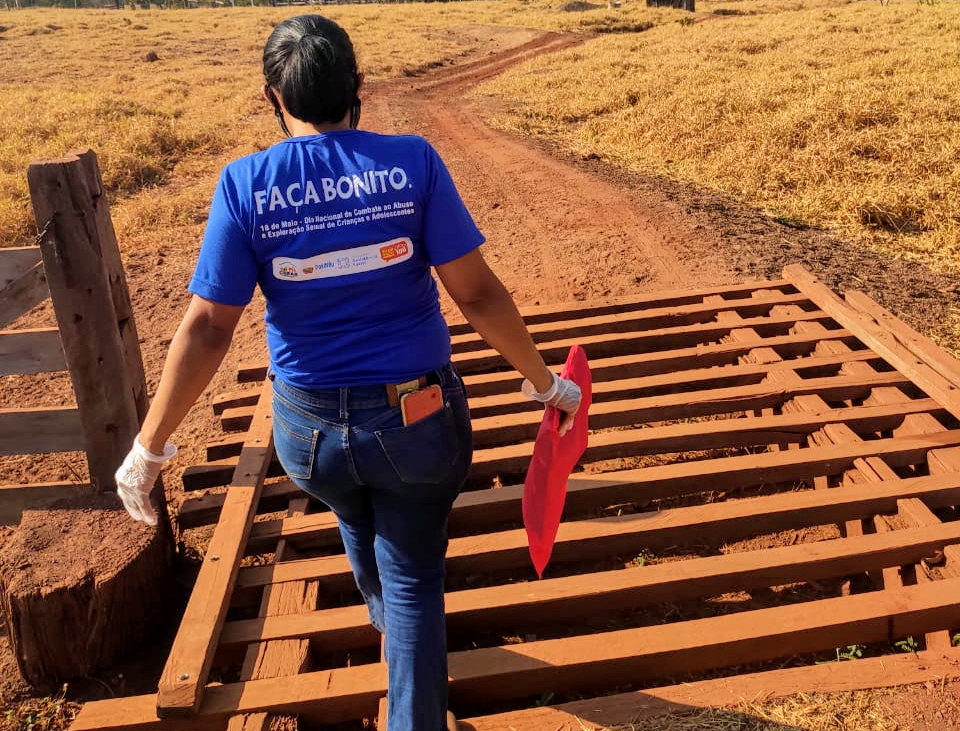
x,y
641,558
907,645
955,640
544,700
686,20
850,652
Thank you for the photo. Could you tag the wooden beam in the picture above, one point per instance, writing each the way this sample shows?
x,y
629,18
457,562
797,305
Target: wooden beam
x,y
14,499
574,597
879,339
15,261
288,656
670,316
684,346
519,430
23,294
720,434
625,709
626,534
920,345
188,665
31,351
41,430
66,199
205,509
536,314
577,664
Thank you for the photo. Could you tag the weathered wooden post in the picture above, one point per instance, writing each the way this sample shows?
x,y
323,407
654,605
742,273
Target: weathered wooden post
x,y
83,583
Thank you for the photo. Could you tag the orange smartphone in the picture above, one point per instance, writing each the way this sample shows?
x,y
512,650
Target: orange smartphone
x,y
420,404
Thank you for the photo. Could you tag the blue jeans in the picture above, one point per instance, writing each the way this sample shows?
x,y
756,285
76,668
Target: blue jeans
x,y
391,487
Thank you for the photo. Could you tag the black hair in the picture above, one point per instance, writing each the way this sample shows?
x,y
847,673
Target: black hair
x,y
309,59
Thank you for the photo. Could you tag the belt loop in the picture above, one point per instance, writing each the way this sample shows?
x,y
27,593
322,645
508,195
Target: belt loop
x,y
344,398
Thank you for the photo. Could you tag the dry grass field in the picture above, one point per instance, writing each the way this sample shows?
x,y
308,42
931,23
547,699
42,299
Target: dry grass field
x,y
838,114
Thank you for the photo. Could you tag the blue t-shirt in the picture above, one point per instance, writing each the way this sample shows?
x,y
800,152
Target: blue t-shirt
x,y
340,231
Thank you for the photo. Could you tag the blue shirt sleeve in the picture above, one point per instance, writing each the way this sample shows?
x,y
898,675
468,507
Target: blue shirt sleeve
x,y
226,269
449,231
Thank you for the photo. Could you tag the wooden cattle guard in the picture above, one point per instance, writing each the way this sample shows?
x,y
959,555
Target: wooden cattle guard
x,y
765,391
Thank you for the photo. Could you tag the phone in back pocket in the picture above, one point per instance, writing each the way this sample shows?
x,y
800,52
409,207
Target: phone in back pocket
x,y
420,404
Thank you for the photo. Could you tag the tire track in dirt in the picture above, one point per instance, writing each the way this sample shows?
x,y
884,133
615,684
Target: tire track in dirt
x,y
555,231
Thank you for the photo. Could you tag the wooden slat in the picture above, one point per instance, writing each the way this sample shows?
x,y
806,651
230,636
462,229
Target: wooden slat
x,y
14,499
535,314
219,472
668,316
15,261
40,430
574,597
723,434
716,434
687,403
921,346
626,534
671,480
188,665
679,343
204,509
278,658
626,709
878,339
31,351
23,294
582,663
235,399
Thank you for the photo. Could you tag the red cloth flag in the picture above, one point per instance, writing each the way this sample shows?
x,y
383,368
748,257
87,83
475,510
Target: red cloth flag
x,y
554,457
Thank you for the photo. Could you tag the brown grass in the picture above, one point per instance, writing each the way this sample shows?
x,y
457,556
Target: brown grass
x,y
833,114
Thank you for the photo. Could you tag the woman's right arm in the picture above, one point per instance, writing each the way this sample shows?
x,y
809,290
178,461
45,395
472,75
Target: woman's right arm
x,y
196,351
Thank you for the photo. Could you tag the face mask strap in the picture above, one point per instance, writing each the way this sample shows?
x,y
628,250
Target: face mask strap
x,y
278,112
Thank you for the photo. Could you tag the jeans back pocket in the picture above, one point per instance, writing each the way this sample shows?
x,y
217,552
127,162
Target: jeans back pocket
x,y
295,443
426,452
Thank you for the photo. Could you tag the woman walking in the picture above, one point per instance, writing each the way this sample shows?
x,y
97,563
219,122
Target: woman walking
x,y
340,228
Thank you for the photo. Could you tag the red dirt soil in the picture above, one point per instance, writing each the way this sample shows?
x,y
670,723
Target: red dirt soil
x,y
558,227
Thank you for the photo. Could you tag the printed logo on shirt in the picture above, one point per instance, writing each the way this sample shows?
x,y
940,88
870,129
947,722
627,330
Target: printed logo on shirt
x,y
347,261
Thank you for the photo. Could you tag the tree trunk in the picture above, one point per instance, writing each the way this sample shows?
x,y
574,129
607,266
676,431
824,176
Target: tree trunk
x,y
83,585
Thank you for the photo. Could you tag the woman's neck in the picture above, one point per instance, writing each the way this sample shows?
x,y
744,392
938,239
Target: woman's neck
x,y
299,128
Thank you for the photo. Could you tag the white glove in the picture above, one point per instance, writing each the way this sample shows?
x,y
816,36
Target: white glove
x,y
563,394
136,477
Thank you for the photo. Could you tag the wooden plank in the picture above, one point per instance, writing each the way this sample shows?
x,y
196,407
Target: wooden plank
x,y
65,202
23,294
14,499
671,480
921,346
669,316
288,656
643,364
714,434
559,312
205,509
722,434
626,534
574,597
625,709
577,664
667,390
36,350
188,665
15,261
112,265
656,343
878,339
40,430
219,472
234,400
